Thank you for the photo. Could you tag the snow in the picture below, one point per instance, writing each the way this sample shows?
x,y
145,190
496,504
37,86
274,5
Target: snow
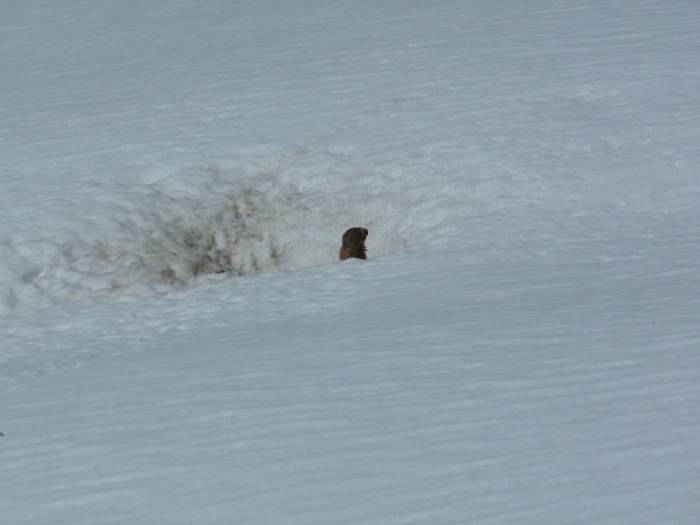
x,y
179,343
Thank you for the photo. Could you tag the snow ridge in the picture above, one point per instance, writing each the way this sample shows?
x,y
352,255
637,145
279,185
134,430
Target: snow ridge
x,y
156,235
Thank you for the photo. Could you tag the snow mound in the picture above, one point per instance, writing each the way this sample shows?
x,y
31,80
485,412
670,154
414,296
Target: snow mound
x,y
151,236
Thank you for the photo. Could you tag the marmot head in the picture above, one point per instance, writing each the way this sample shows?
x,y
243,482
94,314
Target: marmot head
x,y
354,244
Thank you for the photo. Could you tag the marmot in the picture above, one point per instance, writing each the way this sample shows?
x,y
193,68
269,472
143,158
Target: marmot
x,y
354,244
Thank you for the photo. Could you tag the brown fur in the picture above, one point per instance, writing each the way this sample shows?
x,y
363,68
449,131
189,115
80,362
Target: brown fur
x,y
354,244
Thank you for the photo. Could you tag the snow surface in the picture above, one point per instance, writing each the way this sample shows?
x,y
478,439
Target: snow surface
x,y
178,343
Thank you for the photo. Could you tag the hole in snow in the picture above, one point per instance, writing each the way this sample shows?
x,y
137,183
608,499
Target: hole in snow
x,y
149,238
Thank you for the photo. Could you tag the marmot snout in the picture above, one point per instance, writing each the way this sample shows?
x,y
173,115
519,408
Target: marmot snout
x,y
354,244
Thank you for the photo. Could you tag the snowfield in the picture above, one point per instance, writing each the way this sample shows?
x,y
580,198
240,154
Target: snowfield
x,y
179,344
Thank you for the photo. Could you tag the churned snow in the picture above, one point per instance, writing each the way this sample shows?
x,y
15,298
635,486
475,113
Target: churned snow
x,y
179,344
